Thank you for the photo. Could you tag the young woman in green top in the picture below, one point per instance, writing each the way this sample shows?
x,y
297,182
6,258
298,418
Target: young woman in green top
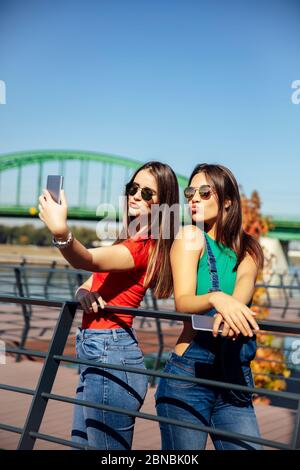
x,y
214,273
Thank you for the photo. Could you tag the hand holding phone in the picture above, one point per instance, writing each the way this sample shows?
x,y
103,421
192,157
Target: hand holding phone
x,y
53,207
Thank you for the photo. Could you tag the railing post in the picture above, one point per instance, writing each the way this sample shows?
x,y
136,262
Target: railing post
x,y
26,285
285,295
26,310
71,286
145,319
160,338
79,278
296,434
49,278
47,376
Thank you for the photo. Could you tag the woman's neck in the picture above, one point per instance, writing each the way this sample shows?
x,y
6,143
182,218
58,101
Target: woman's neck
x,y
142,231
210,230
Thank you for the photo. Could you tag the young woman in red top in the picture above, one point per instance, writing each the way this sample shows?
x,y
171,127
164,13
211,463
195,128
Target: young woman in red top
x,y
121,275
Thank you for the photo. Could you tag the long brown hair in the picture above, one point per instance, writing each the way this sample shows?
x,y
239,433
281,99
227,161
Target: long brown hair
x,y
159,275
229,230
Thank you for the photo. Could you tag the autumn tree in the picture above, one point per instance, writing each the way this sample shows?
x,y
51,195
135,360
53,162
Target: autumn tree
x,y
269,366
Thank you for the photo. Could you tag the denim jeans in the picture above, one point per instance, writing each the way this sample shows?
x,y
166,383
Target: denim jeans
x,y
102,429
204,405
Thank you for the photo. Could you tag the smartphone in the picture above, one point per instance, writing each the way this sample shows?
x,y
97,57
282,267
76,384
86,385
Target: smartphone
x,y
54,185
204,323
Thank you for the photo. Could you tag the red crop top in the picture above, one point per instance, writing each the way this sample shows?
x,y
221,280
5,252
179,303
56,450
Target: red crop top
x,y
121,288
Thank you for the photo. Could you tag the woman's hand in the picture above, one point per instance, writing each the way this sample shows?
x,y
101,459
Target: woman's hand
x,y
236,314
54,215
90,301
226,330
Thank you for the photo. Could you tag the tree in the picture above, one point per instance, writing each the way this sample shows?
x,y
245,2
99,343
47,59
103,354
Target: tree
x,y
270,361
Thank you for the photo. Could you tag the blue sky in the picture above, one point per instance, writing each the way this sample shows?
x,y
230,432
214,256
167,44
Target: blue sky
x,y
181,81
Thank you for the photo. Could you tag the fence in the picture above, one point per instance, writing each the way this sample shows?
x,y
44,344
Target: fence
x,y
60,283
53,358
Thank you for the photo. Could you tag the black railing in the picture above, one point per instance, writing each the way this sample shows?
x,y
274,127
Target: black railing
x,y
26,280
42,393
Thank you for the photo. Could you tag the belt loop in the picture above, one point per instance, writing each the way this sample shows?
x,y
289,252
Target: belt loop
x,y
115,336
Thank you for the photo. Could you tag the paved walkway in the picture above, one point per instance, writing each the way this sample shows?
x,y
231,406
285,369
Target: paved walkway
x,y
275,423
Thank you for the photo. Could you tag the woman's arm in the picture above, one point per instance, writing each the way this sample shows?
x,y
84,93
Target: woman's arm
x,y
185,254
107,258
243,291
111,258
245,280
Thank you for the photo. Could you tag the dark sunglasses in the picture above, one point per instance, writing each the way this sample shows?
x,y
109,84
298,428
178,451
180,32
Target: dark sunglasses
x,y
205,192
146,193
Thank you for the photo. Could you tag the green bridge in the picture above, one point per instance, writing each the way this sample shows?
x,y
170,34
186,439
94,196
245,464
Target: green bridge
x,y
90,178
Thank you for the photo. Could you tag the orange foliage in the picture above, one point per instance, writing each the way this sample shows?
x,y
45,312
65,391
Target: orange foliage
x,y
253,222
268,360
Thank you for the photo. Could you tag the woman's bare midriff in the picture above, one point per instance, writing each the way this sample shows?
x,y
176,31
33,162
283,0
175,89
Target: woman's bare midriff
x,y
187,334
184,339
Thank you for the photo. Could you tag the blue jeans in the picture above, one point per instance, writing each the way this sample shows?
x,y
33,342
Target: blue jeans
x,y
204,405
104,429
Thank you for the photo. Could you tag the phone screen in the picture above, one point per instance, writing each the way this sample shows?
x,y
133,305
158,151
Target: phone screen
x,y
54,185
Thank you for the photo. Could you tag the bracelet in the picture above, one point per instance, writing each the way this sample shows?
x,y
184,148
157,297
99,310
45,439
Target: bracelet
x,y
63,244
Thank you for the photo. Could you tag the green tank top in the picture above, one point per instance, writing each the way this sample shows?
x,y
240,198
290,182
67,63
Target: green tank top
x,y
225,260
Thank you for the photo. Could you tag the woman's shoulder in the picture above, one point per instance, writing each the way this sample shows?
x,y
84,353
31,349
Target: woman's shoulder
x,y
189,243
191,234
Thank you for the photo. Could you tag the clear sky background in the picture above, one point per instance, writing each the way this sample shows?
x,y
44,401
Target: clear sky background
x,y
181,81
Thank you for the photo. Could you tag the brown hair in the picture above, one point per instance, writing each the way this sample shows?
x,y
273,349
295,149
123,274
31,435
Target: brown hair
x,y
159,275
229,230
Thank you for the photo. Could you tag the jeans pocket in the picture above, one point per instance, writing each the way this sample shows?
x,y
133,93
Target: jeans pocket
x,y
239,397
90,349
183,369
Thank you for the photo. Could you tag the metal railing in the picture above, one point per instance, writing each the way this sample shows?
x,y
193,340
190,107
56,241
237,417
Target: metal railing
x,y
42,394
26,280
37,281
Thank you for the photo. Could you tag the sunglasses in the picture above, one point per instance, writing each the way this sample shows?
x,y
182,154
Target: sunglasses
x,y
205,192
146,193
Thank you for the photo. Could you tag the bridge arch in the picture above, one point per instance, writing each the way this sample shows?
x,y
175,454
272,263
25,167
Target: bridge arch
x,y
39,159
